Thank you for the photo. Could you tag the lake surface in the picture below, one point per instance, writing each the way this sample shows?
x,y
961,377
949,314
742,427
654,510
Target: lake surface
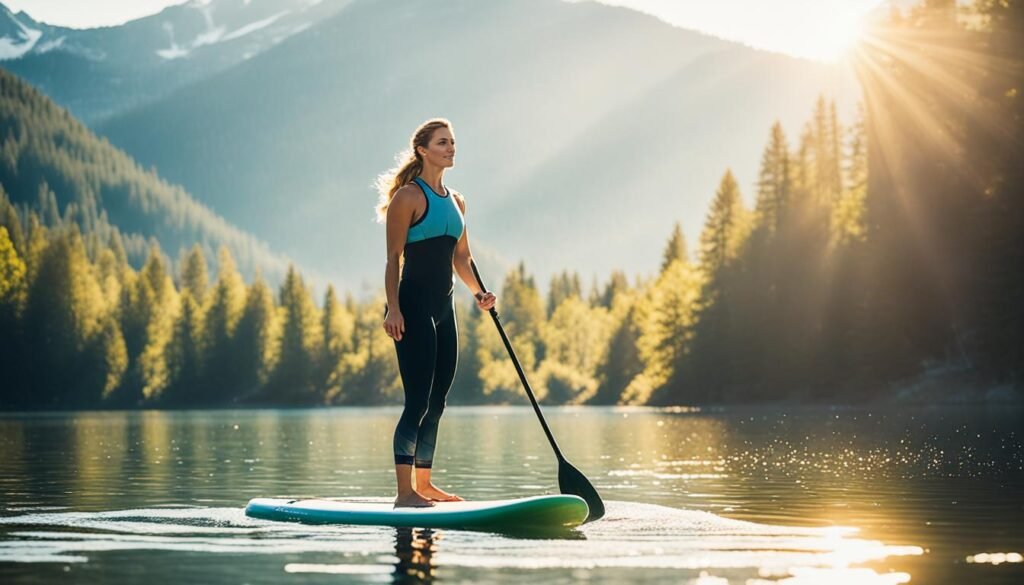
x,y
712,497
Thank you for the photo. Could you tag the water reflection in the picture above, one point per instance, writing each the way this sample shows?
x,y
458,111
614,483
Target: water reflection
x,y
414,549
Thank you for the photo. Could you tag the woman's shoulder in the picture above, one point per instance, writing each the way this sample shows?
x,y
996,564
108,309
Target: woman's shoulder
x,y
408,193
459,199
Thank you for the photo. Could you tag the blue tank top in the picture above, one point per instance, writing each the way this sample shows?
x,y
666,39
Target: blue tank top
x,y
430,246
442,217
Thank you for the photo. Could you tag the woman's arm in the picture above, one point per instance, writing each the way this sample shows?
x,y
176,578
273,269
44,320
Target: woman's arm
x,y
462,264
399,217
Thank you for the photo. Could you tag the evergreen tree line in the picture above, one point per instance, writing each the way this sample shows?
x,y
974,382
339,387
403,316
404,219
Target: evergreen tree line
x,y
82,328
886,252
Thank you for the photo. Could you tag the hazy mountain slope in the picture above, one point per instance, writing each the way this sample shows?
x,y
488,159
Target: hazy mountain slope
x,y
43,143
584,130
661,157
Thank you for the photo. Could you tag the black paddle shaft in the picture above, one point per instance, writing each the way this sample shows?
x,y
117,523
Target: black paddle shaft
x,y
519,370
570,479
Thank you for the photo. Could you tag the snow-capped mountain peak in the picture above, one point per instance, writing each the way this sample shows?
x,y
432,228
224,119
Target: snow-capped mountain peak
x,y
175,32
18,34
89,70
212,33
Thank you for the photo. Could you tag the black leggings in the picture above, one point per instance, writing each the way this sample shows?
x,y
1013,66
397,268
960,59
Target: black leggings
x,y
427,356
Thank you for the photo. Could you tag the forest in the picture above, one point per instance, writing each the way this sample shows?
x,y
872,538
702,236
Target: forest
x,y
868,255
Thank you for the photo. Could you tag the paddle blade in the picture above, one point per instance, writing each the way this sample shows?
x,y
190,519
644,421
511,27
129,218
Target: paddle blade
x,y
572,481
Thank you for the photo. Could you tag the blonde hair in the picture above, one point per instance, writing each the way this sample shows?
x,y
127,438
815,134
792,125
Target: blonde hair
x,y
409,165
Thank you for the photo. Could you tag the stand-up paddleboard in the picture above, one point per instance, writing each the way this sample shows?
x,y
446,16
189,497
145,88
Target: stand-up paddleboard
x,y
552,511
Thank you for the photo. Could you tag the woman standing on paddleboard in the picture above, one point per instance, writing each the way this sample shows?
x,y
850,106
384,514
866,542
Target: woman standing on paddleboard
x,y
425,223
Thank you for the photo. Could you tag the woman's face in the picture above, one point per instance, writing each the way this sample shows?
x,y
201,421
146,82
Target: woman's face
x,y
440,151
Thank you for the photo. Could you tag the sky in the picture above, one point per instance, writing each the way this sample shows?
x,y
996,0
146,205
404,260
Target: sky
x,y
816,29
88,13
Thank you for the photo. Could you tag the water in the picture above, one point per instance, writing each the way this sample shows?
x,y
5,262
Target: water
x,y
737,496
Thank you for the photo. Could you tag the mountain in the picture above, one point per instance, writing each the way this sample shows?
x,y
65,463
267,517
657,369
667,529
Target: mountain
x,y
19,34
44,147
98,72
585,131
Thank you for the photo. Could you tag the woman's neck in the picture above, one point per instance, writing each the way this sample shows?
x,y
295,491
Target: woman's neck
x,y
434,176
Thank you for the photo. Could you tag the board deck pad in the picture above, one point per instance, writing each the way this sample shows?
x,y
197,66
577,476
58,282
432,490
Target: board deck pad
x,y
548,511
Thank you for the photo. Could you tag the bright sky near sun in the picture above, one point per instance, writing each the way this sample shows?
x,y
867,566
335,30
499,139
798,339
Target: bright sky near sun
x,y
817,29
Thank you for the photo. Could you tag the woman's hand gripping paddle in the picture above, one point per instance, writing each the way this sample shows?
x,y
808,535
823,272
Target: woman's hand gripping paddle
x,y
570,480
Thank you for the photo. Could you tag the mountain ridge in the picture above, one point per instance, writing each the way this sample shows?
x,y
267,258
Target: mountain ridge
x,y
45,146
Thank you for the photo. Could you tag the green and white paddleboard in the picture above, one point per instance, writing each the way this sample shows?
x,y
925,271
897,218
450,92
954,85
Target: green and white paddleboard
x,y
537,512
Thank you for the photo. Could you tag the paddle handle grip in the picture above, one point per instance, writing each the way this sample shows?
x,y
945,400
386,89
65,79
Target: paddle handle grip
x,y
519,368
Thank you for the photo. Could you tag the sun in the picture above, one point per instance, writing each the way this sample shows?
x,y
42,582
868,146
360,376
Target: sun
x,y
830,38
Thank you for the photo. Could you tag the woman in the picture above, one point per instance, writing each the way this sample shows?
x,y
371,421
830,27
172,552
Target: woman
x,y
425,223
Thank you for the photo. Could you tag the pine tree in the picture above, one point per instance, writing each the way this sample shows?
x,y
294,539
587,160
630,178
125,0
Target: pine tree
x,y
10,220
563,285
112,356
116,245
803,168
184,355
835,152
667,316
226,302
824,142
193,277
294,381
38,239
675,249
709,363
49,211
162,309
147,308
258,338
617,285
848,220
337,326
12,299
110,274
63,316
523,310
774,185
594,296
12,276
724,228
621,362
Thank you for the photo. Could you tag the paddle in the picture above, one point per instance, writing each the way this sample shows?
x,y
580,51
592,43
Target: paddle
x,y
570,480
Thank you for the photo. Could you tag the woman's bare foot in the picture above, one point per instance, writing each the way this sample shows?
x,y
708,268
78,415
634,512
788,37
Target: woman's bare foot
x,y
438,495
413,500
